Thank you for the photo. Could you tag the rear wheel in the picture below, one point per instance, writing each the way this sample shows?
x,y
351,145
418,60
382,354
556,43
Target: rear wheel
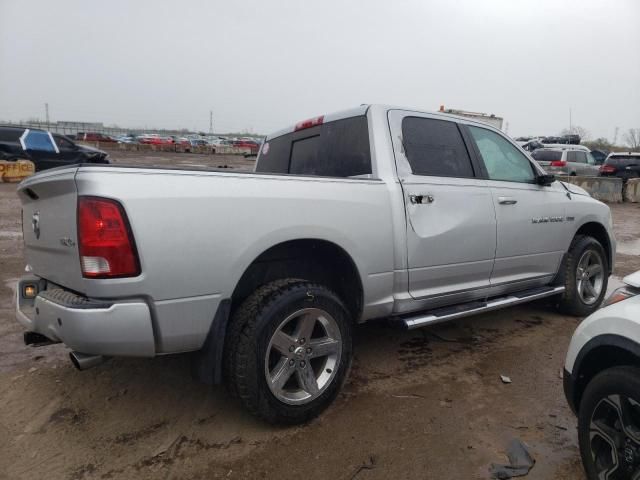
x,y
609,425
289,350
585,277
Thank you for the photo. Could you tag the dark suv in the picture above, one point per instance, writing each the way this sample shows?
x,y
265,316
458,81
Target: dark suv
x,y
623,165
45,149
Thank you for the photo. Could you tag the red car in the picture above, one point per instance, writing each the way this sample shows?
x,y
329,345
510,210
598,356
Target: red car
x,y
155,140
245,143
95,137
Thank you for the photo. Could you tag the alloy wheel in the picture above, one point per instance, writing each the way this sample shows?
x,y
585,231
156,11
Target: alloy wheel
x,y
590,276
614,438
303,356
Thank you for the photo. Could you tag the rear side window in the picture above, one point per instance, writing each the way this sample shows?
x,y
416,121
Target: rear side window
x,y
10,134
547,155
334,149
435,147
38,140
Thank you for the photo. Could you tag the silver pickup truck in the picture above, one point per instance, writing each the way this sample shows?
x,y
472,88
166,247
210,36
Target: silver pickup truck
x,y
368,213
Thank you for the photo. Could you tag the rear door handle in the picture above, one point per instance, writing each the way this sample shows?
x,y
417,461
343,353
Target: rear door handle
x,y
507,201
421,199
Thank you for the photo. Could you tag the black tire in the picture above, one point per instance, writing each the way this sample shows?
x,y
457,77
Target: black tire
x,y
251,328
623,380
571,302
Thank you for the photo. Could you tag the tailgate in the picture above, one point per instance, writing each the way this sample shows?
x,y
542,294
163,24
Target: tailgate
x,y
49,203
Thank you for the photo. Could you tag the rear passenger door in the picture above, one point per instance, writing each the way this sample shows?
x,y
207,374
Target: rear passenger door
x,y
530,217
451,224
41,149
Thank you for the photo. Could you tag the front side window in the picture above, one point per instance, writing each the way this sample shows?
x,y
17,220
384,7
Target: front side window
x,y
435,147
63,143
503,161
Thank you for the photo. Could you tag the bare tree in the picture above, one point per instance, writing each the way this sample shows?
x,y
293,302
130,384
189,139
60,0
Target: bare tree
x,y
583,133
632,138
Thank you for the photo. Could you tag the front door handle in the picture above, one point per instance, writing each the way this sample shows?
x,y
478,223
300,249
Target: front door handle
x,y
507,201
421,199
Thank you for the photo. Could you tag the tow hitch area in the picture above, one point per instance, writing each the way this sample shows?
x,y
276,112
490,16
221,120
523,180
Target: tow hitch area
x,y
37,339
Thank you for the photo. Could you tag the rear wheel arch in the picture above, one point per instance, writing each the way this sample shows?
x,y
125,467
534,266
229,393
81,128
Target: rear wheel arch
x,y
314,260
599,354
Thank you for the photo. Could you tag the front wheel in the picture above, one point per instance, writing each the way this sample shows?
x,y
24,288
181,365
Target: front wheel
x,y
586,277
288,350
609,425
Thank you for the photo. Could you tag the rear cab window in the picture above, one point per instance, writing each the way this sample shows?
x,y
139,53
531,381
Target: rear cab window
x,y
339,148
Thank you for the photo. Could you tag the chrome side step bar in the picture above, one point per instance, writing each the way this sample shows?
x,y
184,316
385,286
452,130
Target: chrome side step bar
x,y
472,308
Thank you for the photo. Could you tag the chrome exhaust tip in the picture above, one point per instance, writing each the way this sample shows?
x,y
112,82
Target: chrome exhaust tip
x,y
82,361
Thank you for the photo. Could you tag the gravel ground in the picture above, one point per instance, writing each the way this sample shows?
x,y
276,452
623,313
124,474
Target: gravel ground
x,y
420,404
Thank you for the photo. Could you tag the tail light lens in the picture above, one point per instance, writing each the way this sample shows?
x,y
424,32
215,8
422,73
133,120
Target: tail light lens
x,y
558,163
607,169
106,245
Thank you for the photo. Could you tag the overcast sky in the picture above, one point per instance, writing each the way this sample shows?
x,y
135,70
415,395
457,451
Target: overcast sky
x,y
263,65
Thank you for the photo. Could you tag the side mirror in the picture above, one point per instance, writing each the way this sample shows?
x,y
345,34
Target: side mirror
x,y
546,179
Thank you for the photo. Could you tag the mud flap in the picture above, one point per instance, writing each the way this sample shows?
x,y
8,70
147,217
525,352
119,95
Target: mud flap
x,y
206,363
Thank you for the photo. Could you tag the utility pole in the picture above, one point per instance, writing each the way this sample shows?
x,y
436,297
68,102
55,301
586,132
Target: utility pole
x,y
570,126
46,112
211,121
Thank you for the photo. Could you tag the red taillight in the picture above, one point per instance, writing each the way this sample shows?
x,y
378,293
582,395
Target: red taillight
x,y
607,169
312,122
105,241
558,163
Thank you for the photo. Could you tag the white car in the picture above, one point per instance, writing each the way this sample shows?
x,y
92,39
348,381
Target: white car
x,y
602,385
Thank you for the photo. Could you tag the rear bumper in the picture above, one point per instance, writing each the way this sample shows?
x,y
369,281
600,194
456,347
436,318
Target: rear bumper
x,y
98,327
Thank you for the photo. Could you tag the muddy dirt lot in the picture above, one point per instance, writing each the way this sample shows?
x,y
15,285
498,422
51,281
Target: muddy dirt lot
x,y
420,404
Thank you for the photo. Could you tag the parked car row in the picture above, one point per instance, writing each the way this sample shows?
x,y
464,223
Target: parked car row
x,y
578,160
157,139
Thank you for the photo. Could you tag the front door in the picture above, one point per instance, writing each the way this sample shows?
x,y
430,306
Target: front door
x,y
451,224
582,163
531,217
69,153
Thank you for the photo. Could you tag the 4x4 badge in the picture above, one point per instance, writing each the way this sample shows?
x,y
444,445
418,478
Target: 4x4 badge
x,y
35,224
